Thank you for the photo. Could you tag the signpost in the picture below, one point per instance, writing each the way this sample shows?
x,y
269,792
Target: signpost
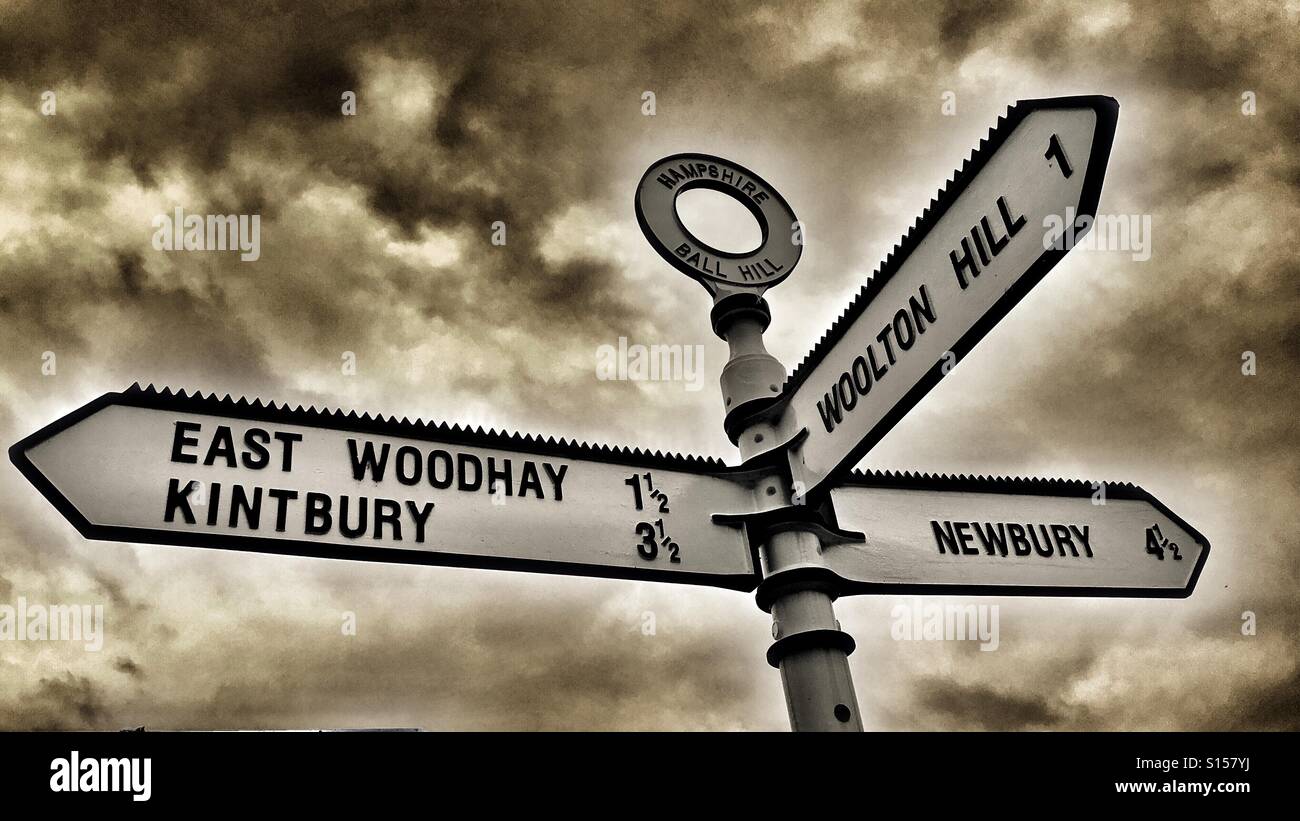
x,y
788,522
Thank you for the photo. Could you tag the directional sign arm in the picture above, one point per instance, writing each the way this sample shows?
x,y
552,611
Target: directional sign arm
x,y
1009,214
186,469
960,535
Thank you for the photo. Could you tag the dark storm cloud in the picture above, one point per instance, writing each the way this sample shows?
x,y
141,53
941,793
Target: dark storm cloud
x,y
528,108
128,667
520,135
562,668
118,597
962,22
1273,707
65,702
982,707
219,69
1233,416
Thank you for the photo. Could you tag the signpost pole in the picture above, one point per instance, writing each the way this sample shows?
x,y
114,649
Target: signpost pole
x,y
809,648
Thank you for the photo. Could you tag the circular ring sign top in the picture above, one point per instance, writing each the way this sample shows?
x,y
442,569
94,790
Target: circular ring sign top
x,y
656,210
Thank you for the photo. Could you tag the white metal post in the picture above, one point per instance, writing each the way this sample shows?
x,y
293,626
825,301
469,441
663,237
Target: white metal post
x,y
810,650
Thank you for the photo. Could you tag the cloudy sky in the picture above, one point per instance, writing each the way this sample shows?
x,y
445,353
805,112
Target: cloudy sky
x,y
376,239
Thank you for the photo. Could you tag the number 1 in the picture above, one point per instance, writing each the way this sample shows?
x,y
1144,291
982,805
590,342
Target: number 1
x,y
1054,149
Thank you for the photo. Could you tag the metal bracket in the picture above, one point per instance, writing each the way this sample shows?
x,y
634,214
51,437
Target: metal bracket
x,y
773,461
795,642
762,525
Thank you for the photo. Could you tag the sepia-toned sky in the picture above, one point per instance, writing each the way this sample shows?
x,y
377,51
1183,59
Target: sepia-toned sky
x,y
375,239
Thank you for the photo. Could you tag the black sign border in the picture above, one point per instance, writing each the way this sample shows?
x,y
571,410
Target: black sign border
x,y
270,412
1063,488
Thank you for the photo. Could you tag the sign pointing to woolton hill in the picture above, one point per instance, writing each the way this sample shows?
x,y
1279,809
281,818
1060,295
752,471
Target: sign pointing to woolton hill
x,y
967,261
168,468
1011,537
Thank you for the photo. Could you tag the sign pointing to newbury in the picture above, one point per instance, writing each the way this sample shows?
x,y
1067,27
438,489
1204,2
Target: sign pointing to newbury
x,y
166,468
1011,537
968,260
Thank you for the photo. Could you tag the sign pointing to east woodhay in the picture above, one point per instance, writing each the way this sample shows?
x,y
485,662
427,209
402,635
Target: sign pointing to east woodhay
x,y
185,469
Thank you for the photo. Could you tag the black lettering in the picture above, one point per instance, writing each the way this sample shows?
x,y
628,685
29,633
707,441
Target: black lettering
x,y
1043,547
557,479
996,244
944,536
1062,534
966,262
410,476
494,475
388,511
420,516
346,529
252,509
530,478
181,441
995,541
1019,543
883,338
861,377
903,320
178,500
962,529
464,460
1083,539
255,440
319,520
1055,149
282,498
848,396
223,445
831,407
286,441
876,370
367,462
979,246
214,498
921,310
1013,226
445,458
